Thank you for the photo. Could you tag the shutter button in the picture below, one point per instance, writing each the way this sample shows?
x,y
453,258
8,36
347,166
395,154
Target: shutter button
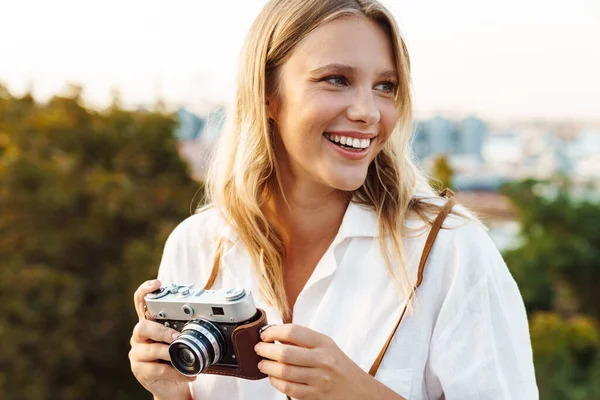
x,y
234,294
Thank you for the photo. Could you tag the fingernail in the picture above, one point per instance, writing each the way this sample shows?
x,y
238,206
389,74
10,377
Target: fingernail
x,y
176,335
257,347
262,331
260,365
151,283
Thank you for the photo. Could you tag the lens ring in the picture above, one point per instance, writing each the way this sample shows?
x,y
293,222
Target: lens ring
x,y
181,365
211,336
216,339
199,345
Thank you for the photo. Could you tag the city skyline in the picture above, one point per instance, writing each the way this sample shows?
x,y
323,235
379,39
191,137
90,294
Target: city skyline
x,y
502,60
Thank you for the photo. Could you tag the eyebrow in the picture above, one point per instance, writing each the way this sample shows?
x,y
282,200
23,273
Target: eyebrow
x,y
350,70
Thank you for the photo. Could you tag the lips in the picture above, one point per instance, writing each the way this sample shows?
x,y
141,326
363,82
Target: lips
x,y
353,134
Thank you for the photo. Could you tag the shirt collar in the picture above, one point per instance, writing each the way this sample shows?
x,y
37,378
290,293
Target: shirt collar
x,y
359,221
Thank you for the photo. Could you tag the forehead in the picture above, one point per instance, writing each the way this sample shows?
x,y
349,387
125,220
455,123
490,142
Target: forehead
x,y
353,40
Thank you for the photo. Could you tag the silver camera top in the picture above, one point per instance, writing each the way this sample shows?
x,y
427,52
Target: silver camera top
x,y
184,302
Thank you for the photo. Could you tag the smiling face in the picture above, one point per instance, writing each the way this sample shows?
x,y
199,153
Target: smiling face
x,y
335,106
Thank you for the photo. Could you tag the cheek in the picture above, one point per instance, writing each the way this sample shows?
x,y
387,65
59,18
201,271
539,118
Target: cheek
x,y
389,118
323,106
310,115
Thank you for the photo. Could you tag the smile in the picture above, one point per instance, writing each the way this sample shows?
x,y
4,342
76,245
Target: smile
x,y
348,143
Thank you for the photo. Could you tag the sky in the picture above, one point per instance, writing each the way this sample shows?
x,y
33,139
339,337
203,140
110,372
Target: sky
x,y
495,59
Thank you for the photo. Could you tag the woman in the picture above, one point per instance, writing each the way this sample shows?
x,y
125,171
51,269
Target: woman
x,y
317,208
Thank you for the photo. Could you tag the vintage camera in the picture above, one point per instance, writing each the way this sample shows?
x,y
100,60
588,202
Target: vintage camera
x,y
219,329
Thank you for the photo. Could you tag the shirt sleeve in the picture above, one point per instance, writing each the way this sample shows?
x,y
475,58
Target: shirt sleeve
x,y
480,347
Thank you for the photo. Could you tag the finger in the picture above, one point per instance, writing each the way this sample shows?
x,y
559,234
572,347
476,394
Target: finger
x,y
149,352
140,293
294,334
286,353
287,372
292,389
151,371
149,330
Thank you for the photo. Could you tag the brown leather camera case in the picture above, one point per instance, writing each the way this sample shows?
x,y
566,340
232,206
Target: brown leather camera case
x,y
244,338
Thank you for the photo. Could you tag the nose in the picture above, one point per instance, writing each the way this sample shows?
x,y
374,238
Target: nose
x,y
364,108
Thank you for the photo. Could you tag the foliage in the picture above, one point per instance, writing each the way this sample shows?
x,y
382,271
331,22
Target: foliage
x,y
558,270
87,200
442,172
567,356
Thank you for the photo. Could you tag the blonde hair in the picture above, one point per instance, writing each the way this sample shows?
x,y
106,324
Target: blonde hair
x,y
243,170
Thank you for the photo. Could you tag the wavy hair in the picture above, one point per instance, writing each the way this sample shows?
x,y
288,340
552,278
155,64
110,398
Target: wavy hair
x,y
243,170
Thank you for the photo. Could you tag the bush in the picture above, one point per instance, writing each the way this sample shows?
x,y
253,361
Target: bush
x,y
87,201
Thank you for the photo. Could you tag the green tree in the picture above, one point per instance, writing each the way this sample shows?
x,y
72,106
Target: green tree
x,y
561,242
558,270
87,200
442,172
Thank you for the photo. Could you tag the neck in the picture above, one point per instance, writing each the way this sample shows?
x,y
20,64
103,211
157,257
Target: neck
x,y
305,218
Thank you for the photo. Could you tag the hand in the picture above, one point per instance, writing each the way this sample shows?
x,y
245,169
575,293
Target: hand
x,y
309,365
149,355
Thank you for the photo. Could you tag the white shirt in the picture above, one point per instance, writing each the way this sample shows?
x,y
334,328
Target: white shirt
x,y
468,338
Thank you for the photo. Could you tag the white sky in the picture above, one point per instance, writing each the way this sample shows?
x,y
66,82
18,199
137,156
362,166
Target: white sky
x,y
509,58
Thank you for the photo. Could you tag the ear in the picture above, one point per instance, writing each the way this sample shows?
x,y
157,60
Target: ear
x,y
272,108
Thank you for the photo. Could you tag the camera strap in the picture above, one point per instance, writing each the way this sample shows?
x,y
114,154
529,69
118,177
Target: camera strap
x,y
435,228
216,264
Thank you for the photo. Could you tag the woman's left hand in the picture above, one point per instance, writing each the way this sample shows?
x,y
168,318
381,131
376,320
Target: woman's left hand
x,y
309,365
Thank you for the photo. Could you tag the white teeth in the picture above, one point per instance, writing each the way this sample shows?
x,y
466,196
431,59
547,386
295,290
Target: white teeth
x,y
348,141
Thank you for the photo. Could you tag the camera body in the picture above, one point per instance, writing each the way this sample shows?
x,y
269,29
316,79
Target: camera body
x,y
219,329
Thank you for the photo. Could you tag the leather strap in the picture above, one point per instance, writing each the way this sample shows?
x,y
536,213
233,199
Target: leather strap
x,y
435,228
215,268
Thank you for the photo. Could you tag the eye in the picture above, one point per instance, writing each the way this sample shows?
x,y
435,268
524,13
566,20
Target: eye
x,y
387,87
336,80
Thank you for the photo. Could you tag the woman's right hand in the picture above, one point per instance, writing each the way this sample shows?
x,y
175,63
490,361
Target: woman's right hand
x,y
149,355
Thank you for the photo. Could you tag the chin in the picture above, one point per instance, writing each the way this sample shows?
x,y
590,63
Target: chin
x,y
347,184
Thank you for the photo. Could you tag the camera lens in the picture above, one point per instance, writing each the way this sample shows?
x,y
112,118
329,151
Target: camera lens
x,y
199,346
187,356
184,360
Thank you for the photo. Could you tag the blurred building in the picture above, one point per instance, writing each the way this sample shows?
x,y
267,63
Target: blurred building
x,y
584,154
496,212
189,125
197,137
462,143
472,134
442,136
